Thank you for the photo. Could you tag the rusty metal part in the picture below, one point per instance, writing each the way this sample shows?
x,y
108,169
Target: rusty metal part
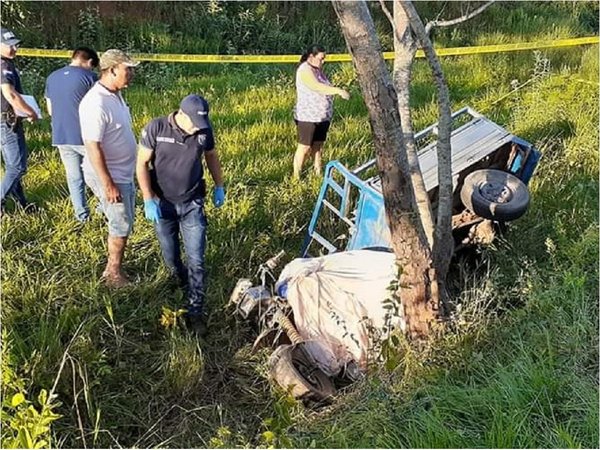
x,y
464,219
286,325
483,233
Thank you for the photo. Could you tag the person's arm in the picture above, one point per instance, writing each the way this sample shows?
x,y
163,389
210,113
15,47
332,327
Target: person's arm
x,y
214,167
16,101
96,156
213,164
47,97
142,171
308,78
49,106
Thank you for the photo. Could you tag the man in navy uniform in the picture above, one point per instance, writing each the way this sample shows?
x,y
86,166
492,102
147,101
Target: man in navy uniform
x,y
65,88
170,174
14,149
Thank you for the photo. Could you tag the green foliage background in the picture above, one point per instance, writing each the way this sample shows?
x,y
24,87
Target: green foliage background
x,y
518,366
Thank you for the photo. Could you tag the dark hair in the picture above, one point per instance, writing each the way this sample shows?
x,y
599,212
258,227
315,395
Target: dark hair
x,y
313,50
86,53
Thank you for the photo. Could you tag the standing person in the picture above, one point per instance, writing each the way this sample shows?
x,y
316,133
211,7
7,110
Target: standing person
x,y
314,107
65,88
170,174
109,161
14,148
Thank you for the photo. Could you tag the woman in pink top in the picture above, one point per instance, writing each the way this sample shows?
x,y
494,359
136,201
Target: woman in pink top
x,y
314,107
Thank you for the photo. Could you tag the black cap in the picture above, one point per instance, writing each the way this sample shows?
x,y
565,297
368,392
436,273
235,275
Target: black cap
x,y
196,108
8,37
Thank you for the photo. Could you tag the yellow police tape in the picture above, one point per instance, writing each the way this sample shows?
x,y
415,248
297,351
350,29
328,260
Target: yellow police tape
x,y
339,57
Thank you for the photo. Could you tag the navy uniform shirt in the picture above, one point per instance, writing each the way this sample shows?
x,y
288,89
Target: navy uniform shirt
x,y
9,75
65,88
176,173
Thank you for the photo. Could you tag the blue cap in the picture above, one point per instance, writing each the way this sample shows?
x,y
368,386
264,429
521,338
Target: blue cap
x,y
196,108
8,37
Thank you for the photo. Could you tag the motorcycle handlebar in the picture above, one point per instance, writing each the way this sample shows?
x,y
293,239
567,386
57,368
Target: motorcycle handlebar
x,y
275,260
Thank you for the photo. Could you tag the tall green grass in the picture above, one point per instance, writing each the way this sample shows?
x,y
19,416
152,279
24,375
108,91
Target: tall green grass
x,y
272,27
517,368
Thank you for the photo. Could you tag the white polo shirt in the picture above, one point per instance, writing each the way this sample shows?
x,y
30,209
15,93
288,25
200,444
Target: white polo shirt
x,y
104,117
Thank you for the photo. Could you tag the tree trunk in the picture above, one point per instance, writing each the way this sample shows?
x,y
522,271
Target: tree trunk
x,y
409,242
443,242
404,54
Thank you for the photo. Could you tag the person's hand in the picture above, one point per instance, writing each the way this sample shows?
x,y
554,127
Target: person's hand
x,y
152,210
219,196
32,117
344,94
112,193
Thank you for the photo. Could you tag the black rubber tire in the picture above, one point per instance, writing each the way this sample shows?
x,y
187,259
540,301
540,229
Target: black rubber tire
x,y
495,195
292,370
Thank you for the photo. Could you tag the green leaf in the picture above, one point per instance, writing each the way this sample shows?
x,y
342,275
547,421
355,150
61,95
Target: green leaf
x,y
268,421
43,397
268,436
38,430
42,444
32,412
24,439
17,399
49,418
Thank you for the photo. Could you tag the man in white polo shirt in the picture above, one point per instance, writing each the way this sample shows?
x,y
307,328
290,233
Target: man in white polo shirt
x,y
109,162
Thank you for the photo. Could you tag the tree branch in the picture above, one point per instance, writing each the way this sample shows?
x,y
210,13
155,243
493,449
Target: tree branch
x,y
447,23
404,54
391,20
443,241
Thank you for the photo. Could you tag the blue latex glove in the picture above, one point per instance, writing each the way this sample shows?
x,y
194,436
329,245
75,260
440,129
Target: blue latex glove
x,y
152,210
219,196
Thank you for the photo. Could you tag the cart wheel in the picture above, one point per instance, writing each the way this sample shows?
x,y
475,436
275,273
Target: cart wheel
x,y
292,368
495,195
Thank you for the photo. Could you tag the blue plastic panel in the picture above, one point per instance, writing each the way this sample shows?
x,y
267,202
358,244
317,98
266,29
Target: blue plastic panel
x,y
371,228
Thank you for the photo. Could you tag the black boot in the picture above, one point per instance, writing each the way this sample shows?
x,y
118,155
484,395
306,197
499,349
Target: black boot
x,y
197,322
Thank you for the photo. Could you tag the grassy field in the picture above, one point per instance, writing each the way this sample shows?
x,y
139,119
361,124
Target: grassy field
x,y
517,368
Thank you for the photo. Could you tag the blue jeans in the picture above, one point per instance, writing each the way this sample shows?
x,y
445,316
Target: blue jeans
x,y
72,156
188,219
14,154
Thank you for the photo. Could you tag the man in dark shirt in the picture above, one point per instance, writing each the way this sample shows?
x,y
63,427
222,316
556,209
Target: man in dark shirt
x,y
65,88
14,149
170,175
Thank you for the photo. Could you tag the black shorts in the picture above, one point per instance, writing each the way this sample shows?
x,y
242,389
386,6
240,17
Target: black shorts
x,y
311,132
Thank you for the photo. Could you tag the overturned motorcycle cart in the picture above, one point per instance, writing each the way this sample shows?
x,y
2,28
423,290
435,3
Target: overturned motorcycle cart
x,y
326,309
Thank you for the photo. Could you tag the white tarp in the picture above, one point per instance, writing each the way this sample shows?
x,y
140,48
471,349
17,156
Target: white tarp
x,y
338,300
